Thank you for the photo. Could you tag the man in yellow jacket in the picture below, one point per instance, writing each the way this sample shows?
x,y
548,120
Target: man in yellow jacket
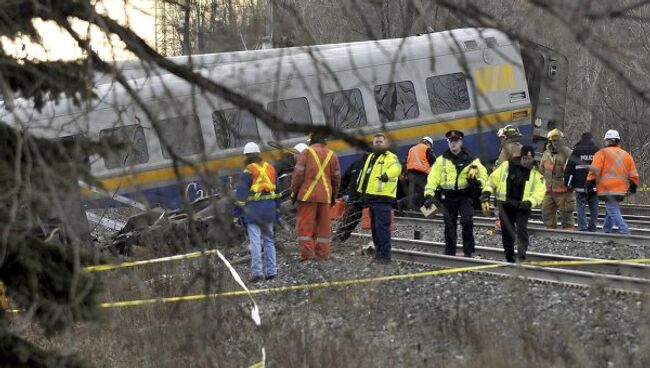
x,y
378,187
454,178
518,187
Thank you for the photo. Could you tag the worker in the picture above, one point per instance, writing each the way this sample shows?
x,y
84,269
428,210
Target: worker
x,y
378,186
454,178
284,168
575,178
353,199
518,187
419,159
558,196
614,175
314,185
288,160
256,209
510,147
509,138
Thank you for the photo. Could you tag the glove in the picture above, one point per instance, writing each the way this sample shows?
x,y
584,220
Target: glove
x,y
632,188
485,197
525,205
590,187
238,222
429,200
294,197
383,177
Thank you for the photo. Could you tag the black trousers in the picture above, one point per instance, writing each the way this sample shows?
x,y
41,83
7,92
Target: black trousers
x,y
514,222
452,207
351,219
414,199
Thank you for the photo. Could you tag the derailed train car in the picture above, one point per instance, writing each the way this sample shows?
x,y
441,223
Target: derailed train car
x,y
474,80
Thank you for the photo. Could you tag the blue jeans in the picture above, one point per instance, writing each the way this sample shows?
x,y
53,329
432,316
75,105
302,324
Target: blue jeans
x,y
582,201
262,235
613,217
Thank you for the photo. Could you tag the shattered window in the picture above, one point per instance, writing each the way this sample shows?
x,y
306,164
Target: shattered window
x,y
125,146
447,93
344,109
295,110
182,135
396,101
234,127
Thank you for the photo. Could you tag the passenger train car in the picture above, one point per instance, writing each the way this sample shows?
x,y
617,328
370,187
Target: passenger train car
x,y
474,80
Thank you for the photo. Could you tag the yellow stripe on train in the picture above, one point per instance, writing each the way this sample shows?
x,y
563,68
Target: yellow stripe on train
x,y
398,134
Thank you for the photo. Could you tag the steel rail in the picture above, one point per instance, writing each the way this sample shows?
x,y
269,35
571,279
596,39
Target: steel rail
x,y
638,270
545,274
583,236
485,221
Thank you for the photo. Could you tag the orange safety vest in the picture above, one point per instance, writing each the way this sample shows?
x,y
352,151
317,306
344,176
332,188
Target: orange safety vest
x,y
417,158
613,168
263,177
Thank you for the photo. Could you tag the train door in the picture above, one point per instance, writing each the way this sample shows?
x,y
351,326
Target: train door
x,y
547,76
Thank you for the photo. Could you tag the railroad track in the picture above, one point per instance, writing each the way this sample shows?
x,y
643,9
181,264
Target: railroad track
x,y
639,270
639,237
532,272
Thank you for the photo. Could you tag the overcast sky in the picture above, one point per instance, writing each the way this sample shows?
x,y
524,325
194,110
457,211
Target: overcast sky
x,y
138,14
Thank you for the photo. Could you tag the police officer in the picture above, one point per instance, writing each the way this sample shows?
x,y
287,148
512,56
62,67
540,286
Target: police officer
x,y
378,185
418,165
455,175
614,175
518,187
575,177
256,208
558,196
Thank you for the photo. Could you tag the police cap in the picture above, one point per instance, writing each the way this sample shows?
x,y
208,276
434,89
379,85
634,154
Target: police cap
x,y
454,135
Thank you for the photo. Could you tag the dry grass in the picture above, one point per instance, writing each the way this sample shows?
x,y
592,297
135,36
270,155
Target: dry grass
x,y
368,326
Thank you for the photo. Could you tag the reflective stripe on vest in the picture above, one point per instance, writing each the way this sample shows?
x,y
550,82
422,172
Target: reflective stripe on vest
x,y
262,181
321,174
613,172
417,158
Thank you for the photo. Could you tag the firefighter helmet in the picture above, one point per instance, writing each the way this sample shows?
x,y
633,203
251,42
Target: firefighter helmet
x,y
555,134
511,132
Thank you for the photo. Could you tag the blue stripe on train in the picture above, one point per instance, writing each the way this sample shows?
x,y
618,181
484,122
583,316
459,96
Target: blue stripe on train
x,y
485,145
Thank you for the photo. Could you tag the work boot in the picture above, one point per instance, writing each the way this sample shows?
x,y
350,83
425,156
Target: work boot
x,y
255,279
271,277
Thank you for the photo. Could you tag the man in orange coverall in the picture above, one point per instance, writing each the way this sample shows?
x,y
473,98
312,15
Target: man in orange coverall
x,y
314,184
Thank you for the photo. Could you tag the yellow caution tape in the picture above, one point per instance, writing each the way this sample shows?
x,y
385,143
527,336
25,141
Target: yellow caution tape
x,y
321,285
106,267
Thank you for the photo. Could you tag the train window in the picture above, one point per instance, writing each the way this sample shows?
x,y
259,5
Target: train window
x,y
294,110
396,101
234,127
182,135
126,146
344,109
447,93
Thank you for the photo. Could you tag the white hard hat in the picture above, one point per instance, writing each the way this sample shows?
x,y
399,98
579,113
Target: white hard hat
x,y
428,139
612,134
251,147
300,147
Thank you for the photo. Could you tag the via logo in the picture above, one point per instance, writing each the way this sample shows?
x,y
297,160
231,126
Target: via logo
x,y
193,191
